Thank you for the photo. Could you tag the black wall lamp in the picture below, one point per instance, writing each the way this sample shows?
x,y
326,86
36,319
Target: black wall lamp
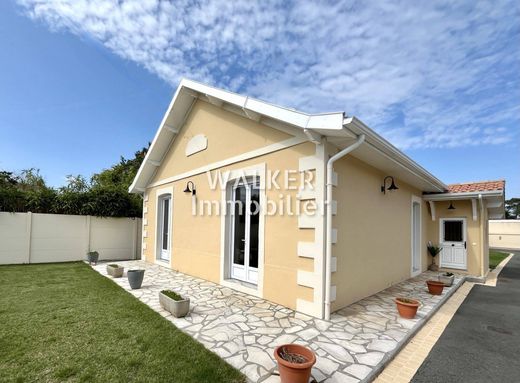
x,y
391,187
451,207
190,190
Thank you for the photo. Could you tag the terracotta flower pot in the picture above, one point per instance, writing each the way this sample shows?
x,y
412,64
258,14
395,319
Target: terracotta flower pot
x,y
406,307
435,287
291,372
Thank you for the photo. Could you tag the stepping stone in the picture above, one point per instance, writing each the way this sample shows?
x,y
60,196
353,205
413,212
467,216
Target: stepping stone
x,y
336,351
382,345
358,370
370,358
309,333
338,377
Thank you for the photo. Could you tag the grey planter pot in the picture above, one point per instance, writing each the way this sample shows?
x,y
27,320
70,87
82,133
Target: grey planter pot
x,y
93,257
135,278
116,272
448,281
178,309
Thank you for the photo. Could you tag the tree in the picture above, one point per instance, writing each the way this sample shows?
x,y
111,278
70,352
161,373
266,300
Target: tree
x,y
121,174
513,208
76,184
7,179
31,180
11,198
111,186
105,195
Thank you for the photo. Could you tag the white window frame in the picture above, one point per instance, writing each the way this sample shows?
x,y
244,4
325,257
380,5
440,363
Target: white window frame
x,y
259,171
415,199
159,196
250,182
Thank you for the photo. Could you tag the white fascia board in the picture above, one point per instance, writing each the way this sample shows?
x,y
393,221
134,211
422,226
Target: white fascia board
x,y
358,127
465,195
329,121
332,121
133,187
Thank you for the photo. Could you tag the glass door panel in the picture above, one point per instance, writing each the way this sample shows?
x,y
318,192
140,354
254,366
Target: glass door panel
x,y
244,231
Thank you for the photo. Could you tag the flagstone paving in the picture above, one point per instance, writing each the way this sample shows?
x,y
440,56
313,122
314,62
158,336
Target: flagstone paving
x,y
244,330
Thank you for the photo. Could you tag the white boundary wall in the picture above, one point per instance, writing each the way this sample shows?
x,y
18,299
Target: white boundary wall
x,y
504,234
40,238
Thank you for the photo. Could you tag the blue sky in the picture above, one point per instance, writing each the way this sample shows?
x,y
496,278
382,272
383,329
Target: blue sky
x,y
84,82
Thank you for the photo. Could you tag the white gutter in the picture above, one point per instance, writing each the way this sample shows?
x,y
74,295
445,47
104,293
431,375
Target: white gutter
x,y
328,202
462,195
393,154
481,235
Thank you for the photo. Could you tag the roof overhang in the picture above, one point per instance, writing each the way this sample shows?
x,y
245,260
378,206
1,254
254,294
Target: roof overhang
x,y
285,119
495,200
338,130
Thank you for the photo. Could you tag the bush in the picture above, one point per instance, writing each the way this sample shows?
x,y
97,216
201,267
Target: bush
x,y
106,195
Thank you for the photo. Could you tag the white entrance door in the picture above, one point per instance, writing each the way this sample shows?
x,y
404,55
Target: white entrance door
x,y
453,243
164,227
244,232
416,238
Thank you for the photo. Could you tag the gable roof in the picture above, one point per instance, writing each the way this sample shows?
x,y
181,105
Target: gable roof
x,y
336,127
480,186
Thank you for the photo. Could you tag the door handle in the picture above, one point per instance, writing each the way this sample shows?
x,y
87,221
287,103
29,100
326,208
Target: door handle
x,y
452,244
464,244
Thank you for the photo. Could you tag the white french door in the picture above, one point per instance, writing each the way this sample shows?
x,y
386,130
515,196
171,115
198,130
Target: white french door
x,y
164,218
453,243
244,232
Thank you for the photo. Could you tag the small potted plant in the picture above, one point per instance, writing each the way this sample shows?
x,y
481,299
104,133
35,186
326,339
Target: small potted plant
x,y
294,363
176,304
407,307
92,257
115,270
447,278
435,287
433,250
135,278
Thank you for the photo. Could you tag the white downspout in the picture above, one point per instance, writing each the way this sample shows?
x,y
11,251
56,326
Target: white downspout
x,y
328,202
481,236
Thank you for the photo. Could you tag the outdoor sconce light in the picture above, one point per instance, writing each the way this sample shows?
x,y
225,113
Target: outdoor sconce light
x,y
190,190
451,207
391,187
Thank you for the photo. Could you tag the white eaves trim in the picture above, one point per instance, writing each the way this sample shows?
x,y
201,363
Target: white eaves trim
x,y
310,126
392,153
464,195
251,108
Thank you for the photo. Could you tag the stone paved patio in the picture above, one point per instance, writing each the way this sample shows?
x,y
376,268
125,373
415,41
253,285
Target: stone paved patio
x,y
244,330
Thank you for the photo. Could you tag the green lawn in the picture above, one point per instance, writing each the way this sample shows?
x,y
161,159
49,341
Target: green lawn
x,y
65,322
495,257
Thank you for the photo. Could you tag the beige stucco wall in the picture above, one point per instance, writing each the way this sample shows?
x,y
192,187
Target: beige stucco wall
x,y
504,234
196,240
374,232
476,246
228,135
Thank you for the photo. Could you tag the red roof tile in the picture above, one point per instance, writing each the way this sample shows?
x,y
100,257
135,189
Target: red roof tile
x,y
477,186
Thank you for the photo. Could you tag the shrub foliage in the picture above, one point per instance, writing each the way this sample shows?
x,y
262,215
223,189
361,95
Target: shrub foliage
x,y
105,195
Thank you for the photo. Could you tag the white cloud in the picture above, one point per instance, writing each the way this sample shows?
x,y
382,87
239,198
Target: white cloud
x,y
423,73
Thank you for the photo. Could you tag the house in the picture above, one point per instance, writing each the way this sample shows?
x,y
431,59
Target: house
x,y
311,211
